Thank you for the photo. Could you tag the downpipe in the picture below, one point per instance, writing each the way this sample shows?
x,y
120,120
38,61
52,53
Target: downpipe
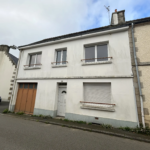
x,y
137,73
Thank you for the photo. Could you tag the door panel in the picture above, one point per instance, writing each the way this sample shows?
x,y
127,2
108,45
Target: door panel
x,y
24,98
33,99
61,107
29,98
19,96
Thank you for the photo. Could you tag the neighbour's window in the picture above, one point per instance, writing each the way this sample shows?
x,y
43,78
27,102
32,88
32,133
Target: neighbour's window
x,y
97,92
96,53
35,59
61,56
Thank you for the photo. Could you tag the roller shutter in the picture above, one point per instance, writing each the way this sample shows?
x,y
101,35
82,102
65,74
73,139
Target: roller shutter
x,y
97,92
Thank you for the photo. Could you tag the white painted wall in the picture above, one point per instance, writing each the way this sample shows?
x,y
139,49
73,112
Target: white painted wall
x,y
118,49
6,73
122,93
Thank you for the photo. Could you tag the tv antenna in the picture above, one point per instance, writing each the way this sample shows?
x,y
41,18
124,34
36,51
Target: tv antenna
x,y
108,12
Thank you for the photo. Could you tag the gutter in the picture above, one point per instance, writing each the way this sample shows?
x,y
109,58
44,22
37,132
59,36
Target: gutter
x,y
137,73
77,37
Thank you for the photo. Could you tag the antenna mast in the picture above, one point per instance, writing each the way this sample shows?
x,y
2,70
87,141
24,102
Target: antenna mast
x,y
108,12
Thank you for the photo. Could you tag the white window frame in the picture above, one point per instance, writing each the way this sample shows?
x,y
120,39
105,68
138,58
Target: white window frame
x,y
35,59
95,45
61,56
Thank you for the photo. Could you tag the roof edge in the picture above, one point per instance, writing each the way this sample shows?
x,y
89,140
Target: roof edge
x,y
119,29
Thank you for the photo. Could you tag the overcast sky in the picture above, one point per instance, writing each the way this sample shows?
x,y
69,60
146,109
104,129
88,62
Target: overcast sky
x,y
26,21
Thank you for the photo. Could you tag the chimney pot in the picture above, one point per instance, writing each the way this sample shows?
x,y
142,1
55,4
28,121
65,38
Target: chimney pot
x,y
115,10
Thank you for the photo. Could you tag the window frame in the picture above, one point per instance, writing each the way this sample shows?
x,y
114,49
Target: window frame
x,y
95,45
35,61
60,63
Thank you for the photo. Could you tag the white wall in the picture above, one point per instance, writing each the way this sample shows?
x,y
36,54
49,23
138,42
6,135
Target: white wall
x,y
118,49
6,73
122,93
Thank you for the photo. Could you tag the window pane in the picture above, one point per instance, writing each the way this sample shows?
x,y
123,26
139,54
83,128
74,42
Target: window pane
x,y
58,59
35,86
31,86
32,60
64,56
102,52
25,86
90,54
38,59
21,85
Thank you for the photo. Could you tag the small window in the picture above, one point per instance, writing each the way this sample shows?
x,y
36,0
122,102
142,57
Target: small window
x,y
25,86
63,91
61,56
21,85
35,86
31,86
35,59
96,53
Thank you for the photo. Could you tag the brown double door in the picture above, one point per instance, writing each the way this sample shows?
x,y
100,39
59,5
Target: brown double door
x,y
26,98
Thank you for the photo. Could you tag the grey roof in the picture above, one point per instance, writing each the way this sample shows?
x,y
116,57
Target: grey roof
x,y
13,58
109,27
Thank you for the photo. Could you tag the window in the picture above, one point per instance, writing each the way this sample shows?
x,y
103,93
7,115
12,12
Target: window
x,y
96,53
35,59
61,56
97,92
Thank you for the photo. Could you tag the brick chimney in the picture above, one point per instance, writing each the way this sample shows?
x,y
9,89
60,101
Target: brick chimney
x,y
118,17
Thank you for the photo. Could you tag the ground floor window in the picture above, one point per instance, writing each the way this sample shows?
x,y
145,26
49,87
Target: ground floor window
x,y
97,92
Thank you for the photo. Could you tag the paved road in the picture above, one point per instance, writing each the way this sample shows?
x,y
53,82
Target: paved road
x,y
3,105
19,134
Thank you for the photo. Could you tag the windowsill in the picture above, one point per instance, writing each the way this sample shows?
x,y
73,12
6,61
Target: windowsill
x,y
31,68
96,63
58,66
100,108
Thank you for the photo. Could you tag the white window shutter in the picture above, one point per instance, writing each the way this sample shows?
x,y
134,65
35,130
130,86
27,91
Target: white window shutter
x,y
97,92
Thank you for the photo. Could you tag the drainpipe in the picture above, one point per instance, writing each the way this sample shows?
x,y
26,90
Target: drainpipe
x,y
15,79
137,73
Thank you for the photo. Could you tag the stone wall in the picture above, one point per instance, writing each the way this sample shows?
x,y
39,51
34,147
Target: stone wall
x,y
142,44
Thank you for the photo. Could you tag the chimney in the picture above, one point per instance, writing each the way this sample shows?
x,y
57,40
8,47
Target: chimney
x,y
4,48
118,17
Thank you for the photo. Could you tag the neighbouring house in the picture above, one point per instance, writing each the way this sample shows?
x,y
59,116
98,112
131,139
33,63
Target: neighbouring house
x,y
8,64
80,76
139,38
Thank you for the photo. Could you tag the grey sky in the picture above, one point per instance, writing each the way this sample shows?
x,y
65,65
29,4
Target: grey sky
x,y
26,21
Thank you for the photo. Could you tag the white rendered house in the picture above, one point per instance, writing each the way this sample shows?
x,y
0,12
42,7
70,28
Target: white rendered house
x,y
81,76
8,64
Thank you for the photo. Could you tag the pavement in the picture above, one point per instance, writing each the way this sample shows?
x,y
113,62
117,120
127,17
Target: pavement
x,y
20,134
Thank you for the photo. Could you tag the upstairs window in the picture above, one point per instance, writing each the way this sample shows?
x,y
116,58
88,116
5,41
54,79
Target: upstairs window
x,y
61,56
96,53
35,59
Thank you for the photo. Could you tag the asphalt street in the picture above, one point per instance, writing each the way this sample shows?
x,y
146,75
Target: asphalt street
x,y
3,105
20,134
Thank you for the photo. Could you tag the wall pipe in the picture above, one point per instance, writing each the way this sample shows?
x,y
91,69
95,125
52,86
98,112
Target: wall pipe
x,y
139,85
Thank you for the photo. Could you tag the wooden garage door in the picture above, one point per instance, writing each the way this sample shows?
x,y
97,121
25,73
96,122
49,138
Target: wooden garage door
x,y
26,98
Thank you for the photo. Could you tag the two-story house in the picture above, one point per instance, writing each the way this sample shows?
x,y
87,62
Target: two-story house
x,y
83,76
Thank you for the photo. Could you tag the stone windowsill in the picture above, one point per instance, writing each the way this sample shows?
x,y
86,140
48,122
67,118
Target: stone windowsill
x,y
32,68
98,108
96,63
58,66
